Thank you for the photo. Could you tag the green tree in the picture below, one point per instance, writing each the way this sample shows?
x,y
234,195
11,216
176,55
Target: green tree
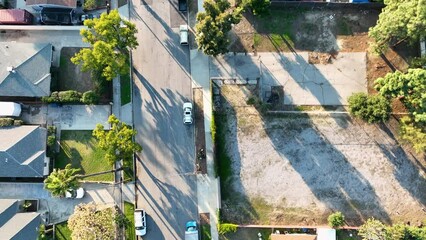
x,y
372,230
258,7
214,24
92,222
399,21
410,87
62,180
118,141
336,220
110,38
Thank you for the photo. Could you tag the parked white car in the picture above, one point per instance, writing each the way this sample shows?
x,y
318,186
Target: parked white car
x,y
140,222
183,29
187,113
78,193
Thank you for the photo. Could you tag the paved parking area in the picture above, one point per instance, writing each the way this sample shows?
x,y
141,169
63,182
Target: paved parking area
x,y
303,83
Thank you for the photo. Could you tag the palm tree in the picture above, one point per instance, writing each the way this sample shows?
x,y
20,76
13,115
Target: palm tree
x,y
62,180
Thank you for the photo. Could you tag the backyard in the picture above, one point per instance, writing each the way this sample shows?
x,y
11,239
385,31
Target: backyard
x,y
299,168
80,149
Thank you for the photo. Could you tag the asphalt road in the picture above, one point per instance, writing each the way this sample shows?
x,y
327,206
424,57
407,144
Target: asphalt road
x,y
166,186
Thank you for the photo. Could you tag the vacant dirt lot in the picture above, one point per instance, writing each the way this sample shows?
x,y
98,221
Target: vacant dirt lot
x,y
298,168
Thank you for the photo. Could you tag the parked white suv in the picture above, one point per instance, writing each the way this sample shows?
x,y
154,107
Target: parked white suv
x,y
187,113
140,222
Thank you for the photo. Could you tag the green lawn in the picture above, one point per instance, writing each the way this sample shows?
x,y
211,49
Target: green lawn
x,y
129,209
125,85
62,232
80,149
205,232
125,89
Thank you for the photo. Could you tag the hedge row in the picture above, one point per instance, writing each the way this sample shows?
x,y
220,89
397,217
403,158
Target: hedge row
x,y
5,122
71,96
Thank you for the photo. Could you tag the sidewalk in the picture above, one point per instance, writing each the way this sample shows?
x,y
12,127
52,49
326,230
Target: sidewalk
x,y
208,193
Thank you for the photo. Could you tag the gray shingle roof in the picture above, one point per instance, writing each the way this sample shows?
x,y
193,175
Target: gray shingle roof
x,y
18,226
31,63
22,151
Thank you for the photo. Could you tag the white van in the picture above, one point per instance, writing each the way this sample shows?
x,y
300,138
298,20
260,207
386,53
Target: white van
x,y
10,109
183,34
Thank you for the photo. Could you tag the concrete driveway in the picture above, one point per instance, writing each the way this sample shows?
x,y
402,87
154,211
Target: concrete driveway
x,y
61,208
79,117
303,83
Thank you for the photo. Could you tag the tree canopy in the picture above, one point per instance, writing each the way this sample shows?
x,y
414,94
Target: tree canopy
x,y
410,87
214,24
62,180
118,141
110,38
373,229
399,20
258,7
92,222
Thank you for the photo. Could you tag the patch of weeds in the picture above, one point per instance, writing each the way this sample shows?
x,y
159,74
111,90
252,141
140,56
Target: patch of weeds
x,y
343,28
257,38
262,209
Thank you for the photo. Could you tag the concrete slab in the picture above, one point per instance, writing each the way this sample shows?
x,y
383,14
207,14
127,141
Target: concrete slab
x,y
61,208
79,117
304,83
35,114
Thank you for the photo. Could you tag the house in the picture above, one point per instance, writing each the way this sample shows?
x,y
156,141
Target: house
x,y
15,223
65,3
25,70
23,153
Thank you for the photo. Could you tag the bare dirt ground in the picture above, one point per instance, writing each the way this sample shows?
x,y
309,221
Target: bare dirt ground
x,y
299,168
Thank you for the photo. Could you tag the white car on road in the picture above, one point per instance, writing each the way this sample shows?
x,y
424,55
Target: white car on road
x,y
140,222
187,113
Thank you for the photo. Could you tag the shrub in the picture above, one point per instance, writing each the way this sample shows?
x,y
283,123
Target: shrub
x,y
17,122
4,122
51,130
51,140
251,101
413,133
372,109
90,97
89,4
418,62
336,220
225,228
69,96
